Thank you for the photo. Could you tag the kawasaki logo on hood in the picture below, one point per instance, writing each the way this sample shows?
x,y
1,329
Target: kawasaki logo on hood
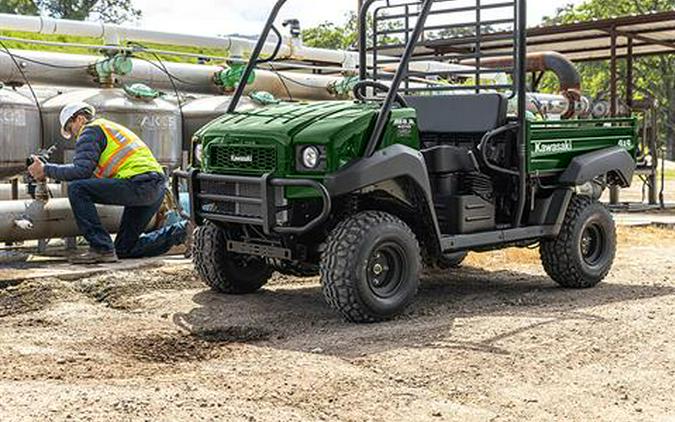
x,y
241,158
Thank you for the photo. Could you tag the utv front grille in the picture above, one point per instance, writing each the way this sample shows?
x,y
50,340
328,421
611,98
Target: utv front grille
x,y
256,159
255,201
242,191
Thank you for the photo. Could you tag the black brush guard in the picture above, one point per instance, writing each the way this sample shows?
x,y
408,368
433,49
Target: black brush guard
x,y
266,200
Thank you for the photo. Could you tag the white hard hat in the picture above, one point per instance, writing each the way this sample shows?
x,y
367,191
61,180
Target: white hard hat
x,y
69,111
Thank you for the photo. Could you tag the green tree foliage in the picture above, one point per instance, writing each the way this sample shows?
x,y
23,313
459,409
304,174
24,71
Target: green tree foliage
x,y
330,35
333,36
115,11
18,7
345,36
653,76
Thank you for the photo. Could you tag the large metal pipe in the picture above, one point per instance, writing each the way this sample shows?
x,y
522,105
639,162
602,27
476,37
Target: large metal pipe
x,y
74,70
555,105
6,191
291,48
31,220
564,69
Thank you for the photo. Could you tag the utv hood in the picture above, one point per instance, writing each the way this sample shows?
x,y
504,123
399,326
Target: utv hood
x,y
295,123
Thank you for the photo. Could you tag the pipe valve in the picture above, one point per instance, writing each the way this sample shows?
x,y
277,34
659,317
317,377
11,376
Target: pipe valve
x,y
119,64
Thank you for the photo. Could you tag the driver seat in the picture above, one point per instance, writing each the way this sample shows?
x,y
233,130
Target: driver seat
x,y
452,126
465,116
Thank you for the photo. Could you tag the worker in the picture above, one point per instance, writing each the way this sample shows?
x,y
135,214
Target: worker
x,y
111,166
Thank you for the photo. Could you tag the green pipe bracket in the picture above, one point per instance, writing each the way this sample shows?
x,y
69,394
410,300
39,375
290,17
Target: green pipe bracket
x,y
141,91
263,98
229,78
343,88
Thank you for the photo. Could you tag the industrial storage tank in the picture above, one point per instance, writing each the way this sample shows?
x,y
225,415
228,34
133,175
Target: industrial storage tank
x,y
197,113
141,109
19,131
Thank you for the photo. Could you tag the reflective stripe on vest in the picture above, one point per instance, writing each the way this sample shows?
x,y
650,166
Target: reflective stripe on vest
x,y
125,155
126,145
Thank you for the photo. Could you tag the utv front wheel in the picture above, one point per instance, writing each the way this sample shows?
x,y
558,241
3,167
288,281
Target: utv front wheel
x,y
369,267
582,254
223,271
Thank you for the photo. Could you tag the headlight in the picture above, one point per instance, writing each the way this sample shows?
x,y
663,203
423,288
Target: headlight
x,y
310,157
196,151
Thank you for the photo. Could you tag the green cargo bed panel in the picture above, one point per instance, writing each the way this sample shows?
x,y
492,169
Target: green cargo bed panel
x,y
551,145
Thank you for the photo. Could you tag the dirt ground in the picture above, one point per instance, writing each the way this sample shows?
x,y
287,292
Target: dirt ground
x,y
493,341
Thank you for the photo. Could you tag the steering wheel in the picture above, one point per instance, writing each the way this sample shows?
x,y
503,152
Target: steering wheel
x,y
359,91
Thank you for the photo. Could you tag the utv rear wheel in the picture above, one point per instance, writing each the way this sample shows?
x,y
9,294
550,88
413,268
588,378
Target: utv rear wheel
x,y
582,254
370,267
223,271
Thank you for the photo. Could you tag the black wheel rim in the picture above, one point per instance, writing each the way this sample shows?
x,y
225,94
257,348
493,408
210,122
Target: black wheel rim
x,y
592,244
385,269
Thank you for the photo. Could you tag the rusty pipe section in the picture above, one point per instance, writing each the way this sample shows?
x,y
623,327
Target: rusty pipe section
x,y
564,69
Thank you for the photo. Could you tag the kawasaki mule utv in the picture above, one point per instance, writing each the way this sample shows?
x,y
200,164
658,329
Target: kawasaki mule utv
x,y
365,192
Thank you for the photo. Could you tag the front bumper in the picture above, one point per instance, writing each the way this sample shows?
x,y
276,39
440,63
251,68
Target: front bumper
x,y
230,199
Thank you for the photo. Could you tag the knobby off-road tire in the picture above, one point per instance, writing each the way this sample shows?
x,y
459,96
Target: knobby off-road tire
x,y
370,267
223,271
583,253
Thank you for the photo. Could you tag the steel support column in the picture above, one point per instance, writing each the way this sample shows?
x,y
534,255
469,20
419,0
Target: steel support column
x,y
655,152
614,97
629,74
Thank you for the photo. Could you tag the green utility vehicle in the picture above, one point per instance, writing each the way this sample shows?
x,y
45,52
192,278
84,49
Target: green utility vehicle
x,y
423,166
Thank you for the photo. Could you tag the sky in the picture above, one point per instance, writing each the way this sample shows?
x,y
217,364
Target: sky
x,y
214,17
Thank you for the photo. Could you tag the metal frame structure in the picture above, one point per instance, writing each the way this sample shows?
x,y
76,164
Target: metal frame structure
x,y
613,39
414,37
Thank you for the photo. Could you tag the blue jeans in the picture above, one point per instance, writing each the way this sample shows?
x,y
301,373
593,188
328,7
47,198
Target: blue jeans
x,y
141,197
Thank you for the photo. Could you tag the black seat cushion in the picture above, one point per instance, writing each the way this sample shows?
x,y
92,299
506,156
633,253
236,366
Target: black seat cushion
x,y
471,114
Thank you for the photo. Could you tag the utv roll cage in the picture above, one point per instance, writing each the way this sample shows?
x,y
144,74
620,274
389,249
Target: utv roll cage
x,y
408,26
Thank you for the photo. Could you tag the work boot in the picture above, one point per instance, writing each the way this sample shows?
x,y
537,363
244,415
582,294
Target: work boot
x,y
94,257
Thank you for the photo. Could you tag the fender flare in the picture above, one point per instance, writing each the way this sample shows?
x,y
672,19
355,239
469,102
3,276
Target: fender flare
x,y
393,162
586,167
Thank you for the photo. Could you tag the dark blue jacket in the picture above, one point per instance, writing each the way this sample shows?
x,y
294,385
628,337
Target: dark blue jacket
x,y
90,144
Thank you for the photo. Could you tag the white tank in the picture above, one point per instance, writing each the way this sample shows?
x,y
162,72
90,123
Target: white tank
x,y
19,131
156,121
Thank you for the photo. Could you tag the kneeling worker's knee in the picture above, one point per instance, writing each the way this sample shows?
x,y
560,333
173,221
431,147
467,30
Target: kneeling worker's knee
x,y
75,189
